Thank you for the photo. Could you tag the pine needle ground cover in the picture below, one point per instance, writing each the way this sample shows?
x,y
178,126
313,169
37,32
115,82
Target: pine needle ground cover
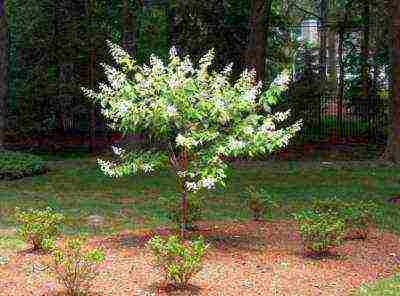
x,y
256,257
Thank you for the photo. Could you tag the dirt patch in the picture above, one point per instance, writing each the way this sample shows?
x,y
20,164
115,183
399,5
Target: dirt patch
x,y
252,258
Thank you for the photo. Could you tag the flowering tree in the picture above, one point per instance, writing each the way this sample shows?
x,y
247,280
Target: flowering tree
x,y
201,116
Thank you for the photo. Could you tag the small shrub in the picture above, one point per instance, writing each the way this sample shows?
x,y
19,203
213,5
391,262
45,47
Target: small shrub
x,y
39,226
320,232
178,261
15,165
358,217
332,205
258,201
173,208
73,266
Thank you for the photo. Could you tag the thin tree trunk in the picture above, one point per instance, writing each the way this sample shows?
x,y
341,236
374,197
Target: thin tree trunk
x,y
341,78
365,50
128,35
267,29
323,39
92,73
3,71
255,56
392,152
332,72
92,126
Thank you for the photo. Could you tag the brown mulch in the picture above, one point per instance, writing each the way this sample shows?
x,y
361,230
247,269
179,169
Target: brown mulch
x,y
251,258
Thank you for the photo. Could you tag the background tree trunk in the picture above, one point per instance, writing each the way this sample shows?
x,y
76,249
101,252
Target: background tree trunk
x,y
322,38
332,71
365,49
3,70
392,152
255,56
128,35
92,77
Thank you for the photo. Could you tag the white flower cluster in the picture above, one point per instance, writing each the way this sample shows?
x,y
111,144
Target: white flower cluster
x,y
174,83
228,70
206,183
186,67
235,144
173,52
282,80
186,141
252,93
123,107
267,127
107,168
89,93
281,116
117,52
148,168
157,64
248,130
117,150
115,77
171,110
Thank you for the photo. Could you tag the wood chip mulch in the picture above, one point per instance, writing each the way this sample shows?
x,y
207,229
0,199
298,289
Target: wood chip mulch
x,y
246,258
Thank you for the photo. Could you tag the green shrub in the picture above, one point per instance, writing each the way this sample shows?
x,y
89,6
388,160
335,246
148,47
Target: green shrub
x,y
328,205
39,226
357,215
74,266
172,206
178,261
320,231
258,201
15,165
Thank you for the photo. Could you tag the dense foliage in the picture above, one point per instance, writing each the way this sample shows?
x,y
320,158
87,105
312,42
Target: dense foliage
x,y
39,227
178,261
15,165
320,232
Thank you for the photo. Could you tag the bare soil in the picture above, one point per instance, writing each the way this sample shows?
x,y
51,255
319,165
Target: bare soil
x,y
247,258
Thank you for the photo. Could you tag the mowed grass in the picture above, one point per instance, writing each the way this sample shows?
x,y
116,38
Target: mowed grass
x,y
79,189
386,287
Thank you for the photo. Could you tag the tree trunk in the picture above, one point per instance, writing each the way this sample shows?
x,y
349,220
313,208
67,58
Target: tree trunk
x,y
255,56
322,39
3,71
92,123
92,75
392,152
341,77
332,72
128,35
365,50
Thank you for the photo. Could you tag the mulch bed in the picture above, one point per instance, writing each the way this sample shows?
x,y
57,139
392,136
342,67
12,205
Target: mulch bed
x,y
250,258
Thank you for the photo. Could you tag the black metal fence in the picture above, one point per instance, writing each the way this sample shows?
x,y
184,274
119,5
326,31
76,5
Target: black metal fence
x,y
357,118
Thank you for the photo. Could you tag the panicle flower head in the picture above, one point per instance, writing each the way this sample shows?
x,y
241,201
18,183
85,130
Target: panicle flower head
x,y
207,183
186,67
117,52
282,80
173,52
117,150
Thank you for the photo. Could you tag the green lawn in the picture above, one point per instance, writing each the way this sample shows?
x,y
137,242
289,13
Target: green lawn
x,y
78,189
385,287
